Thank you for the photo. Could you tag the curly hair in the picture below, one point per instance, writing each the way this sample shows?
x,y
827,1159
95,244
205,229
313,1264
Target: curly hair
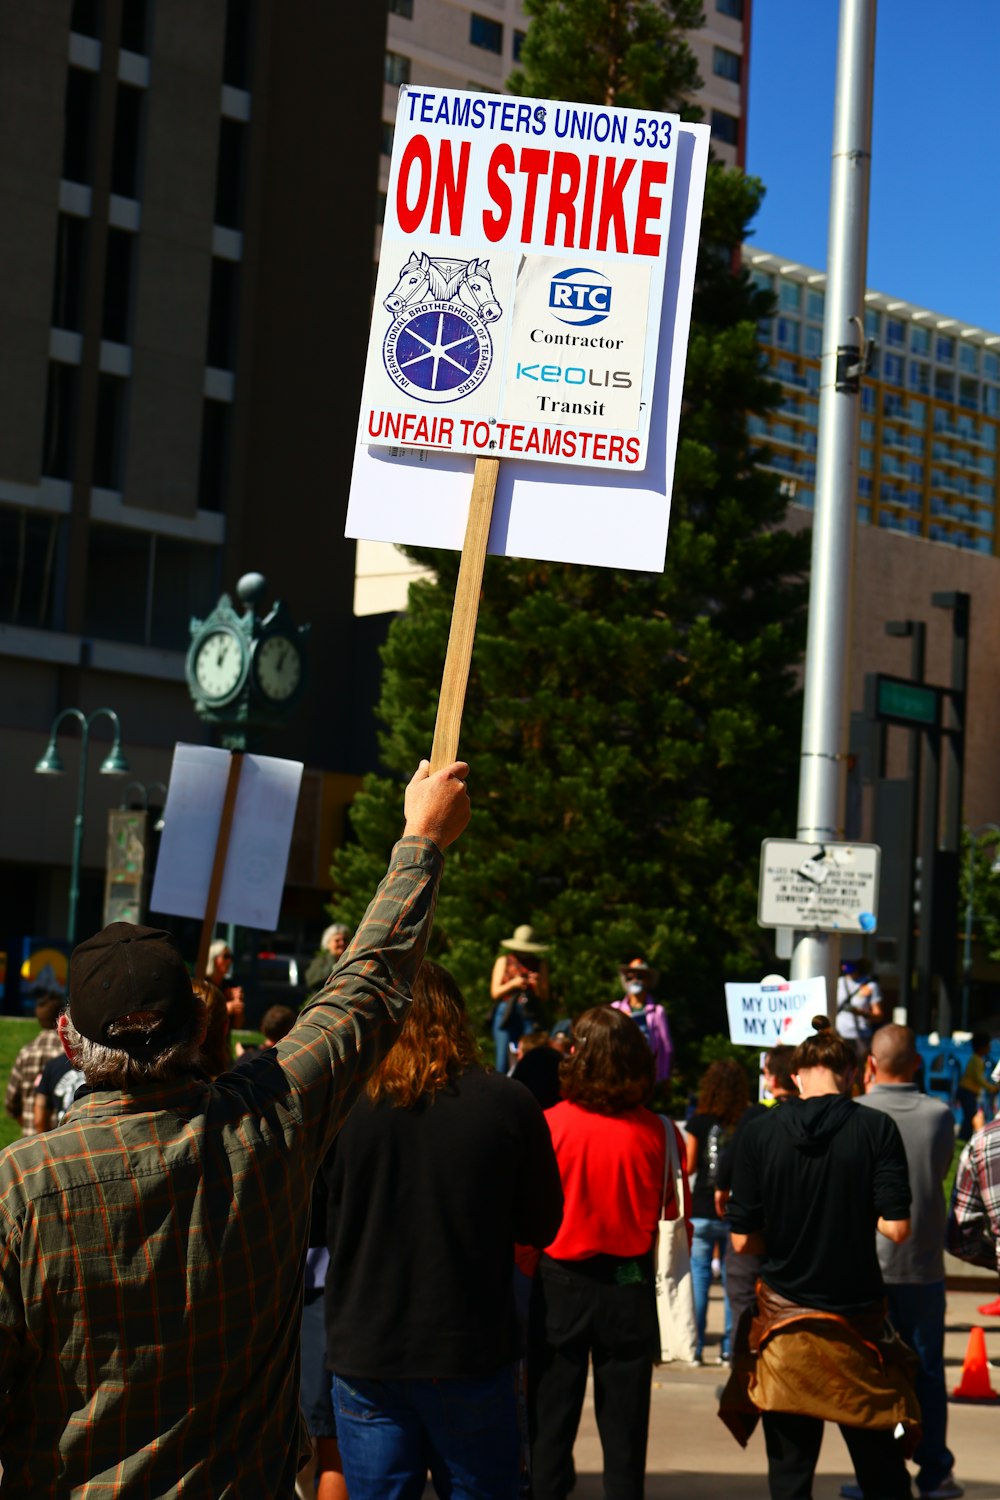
x,y
724,1090
611,1067
435,1045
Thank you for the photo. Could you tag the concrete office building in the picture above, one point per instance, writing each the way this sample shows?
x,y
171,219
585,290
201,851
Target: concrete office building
x,y
182,348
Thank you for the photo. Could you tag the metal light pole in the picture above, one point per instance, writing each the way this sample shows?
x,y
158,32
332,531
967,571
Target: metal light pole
x,y
145,791
974,834
825,718
51,764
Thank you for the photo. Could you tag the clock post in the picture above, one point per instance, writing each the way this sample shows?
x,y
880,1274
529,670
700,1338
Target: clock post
x,y
246,672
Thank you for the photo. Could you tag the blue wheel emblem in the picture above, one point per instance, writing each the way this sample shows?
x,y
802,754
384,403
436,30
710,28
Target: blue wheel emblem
x,y
437,352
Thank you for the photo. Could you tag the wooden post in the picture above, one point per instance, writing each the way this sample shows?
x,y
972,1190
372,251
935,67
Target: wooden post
x,y
219,865
464,614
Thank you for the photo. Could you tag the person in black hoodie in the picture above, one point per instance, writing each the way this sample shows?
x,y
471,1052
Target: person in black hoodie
x,y
812,1182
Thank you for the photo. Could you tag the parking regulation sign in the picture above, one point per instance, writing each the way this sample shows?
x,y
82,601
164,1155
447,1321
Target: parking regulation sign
x,y
828,887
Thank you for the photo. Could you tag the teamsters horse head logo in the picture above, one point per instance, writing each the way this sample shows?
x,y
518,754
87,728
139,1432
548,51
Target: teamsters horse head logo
x,y
438,347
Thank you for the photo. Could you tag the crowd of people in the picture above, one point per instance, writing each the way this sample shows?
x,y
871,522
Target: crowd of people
x,y
356,1256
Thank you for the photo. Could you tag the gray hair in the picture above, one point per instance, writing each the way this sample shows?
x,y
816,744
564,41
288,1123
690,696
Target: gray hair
x,y
335,929
110,1067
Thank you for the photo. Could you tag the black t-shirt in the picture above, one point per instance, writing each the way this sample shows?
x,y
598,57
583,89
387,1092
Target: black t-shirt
x,y
58,1084
712,1137
814,1176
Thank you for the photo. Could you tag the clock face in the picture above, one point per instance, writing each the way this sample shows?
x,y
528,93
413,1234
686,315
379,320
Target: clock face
x,y
218,664
279,667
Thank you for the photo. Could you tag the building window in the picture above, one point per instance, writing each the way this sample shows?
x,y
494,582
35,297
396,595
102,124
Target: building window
x,y
920,377
485,33
236,56
895,333
815,305
920,339
125,151
402,8
726,64
85,18
229,174
135,26
725,127
944,385
518,44
67,290
789,296
388,135
968,359
865,458
59,450
396,68
916,413
28,557
222,315
732,8
116,312
968,394
944,349
109,428
184,577
81,101
868,402
991,400
892,369
213,464
991,365
788,334
812,342
143,588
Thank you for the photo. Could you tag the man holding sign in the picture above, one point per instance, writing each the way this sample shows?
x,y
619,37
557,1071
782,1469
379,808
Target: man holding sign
x,y
152,1246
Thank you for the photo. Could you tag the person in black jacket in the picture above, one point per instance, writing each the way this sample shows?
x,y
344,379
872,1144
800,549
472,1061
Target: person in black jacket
x,y
440,1169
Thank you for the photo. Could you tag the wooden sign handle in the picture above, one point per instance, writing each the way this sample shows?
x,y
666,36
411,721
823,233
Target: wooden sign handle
x,y
464,614
219,865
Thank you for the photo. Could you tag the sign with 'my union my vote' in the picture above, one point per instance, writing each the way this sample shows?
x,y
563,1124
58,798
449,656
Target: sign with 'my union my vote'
x,y
520,281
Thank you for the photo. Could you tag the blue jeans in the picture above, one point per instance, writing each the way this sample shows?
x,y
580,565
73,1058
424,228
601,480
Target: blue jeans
x,y
391,1432
709,1233
917,1314
507,1035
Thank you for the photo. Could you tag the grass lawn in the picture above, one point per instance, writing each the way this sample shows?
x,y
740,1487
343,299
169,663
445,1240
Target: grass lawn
x,y
14,1032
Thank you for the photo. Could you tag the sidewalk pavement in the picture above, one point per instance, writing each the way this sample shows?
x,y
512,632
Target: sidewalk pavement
x,y
692,1456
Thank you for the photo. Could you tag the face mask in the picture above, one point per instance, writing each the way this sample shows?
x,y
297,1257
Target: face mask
x,y
634,987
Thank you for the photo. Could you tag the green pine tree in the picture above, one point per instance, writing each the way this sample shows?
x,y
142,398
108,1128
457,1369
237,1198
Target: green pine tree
x,y
632,736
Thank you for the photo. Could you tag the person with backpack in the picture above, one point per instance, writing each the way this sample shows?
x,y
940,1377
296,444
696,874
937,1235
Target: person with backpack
x,y
723,1096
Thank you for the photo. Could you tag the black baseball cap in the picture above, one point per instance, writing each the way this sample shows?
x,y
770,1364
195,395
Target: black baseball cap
x,y
123,969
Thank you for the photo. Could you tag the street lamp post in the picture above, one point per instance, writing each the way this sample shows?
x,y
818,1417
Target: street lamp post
x,y
974,834
51,764
145,792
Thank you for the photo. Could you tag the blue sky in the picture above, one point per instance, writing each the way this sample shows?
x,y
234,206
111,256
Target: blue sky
x,y
934,221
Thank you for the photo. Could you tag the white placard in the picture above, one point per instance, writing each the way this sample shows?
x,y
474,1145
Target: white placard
x,y
830,887
259,840
550,511
762,1015
520,278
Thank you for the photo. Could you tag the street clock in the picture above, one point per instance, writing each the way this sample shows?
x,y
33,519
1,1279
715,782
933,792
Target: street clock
x,y
245,672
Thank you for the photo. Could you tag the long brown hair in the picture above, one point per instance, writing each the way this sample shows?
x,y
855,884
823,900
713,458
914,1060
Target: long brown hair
x,y
435,1045
216,1055
724,1090
611,1067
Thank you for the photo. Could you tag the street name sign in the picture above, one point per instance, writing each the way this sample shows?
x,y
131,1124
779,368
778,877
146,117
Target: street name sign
x,y
824,887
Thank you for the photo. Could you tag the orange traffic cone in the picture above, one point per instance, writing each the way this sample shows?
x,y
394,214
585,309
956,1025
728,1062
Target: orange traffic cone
x,y
975,1382
990,1309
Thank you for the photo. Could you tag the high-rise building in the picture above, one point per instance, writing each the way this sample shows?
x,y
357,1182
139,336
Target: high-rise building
x,y
187,192
930,409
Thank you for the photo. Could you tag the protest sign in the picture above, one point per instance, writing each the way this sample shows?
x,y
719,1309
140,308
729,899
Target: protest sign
x,y
520,281
774,1011
227,830
591,516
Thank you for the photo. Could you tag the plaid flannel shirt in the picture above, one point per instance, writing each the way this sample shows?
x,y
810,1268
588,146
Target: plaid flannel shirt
x,y
24,1075
152,1247
974,1220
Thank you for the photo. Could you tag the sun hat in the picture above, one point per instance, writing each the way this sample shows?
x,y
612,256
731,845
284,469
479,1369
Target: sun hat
x,y
523,941
125,968
638,968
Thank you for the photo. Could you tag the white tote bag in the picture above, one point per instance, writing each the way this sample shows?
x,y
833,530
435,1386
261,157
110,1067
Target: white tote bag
x,y
674,1288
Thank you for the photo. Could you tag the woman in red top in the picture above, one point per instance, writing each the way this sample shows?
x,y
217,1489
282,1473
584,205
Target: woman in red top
x,y
594,1290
